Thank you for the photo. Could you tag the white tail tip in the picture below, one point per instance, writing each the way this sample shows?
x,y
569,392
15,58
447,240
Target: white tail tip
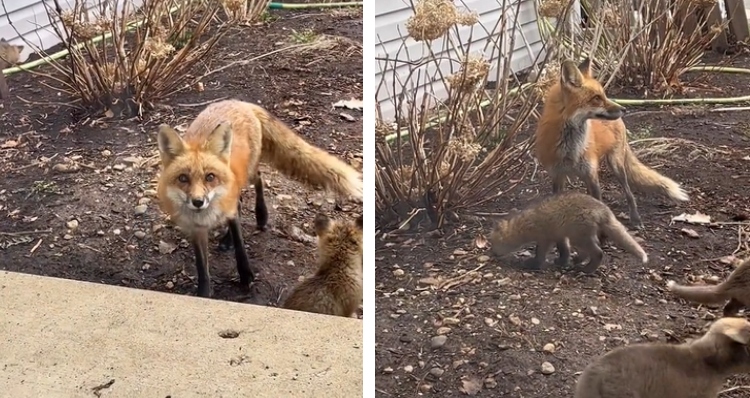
x,y
679,194
645,258
670,284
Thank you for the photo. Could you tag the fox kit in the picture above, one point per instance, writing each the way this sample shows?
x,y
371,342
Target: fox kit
x,y
564,219
336,289
10,54
579,127
203,173
736,289
697,369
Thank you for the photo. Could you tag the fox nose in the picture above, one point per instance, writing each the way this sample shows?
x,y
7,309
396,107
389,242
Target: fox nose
x,y
198,202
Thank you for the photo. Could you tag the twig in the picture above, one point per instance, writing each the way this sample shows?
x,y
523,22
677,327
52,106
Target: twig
x,y
204,102
486,214
735,388
247,61
36,246
21,233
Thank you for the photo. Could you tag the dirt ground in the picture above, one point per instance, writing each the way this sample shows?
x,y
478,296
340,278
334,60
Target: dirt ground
x,y
87,225
496,319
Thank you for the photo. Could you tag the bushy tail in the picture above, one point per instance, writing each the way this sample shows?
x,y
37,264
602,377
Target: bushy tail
x,y
616,232
646,179
705,294
289,153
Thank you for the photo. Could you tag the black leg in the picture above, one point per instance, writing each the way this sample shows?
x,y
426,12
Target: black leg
x,y
732,307
200,247
243,263
261,211
226,243
539,258
563,251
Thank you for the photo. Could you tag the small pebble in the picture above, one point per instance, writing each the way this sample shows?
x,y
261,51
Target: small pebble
x,y
72,224
388,370
438,341
398,272
437,372
443,330
170,285
408,368
483,258
139,234
67,237
547,368
638,302
140,209
549,347
116,231
119,167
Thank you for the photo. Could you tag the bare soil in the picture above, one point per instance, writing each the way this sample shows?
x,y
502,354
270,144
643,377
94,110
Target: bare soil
x,y
497,319
85,224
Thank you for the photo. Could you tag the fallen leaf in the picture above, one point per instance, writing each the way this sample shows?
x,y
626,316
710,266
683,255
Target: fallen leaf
x,y
9,144
166,248
349,104
690,232
480,241
697,218
471,385
109,114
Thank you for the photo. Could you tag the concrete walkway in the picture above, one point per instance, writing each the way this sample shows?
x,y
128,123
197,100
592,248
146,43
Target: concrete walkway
x,y
62,338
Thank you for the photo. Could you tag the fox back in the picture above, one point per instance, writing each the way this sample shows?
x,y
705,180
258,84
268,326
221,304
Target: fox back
x,y
336,288
691,370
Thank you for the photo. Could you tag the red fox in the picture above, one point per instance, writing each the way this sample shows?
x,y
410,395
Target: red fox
x,y
564,219
203,173
336,288
697,369
10,54
579,127
736,289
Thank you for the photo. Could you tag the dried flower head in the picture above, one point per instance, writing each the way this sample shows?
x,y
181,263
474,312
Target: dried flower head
x,y
703,3
433,18
473,71
552,8
464,148
157,47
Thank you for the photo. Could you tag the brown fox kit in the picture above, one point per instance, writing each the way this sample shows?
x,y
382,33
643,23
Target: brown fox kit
x,y
336,288
579,127
203,173
10,54
691,370
736,289
564,219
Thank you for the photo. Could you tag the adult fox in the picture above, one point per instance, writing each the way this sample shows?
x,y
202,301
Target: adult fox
x,y
579,127
203,173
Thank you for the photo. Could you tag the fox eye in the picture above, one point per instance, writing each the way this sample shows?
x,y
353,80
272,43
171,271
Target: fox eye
x,y
210,177
183,178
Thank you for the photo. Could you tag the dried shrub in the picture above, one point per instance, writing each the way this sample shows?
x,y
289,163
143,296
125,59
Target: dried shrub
x,y
453,145
147,54
244,11
649,46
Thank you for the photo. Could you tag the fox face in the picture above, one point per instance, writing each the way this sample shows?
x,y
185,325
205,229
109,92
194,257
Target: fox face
x,y
585,94
341,237
501,245
10,53
196,177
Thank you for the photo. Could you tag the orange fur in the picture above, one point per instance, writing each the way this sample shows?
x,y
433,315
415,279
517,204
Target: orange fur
x,y
203,173
10,54
336,288
579,128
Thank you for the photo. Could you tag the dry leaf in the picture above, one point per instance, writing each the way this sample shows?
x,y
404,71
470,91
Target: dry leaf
x,y
9,144
480,241
697,218
349,104
166,248
109,114
690,232
471,385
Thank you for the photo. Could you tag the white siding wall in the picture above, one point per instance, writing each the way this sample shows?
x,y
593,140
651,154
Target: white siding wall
x,y
32,24
390,27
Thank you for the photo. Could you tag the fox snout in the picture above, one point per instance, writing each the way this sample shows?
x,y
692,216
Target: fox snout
x,y
612,111
198,203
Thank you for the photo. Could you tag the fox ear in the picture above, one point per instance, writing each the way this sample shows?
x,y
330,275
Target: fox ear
x,y
570,75
20,48
360,222
737,329
220,140
585,67
322,222
170,143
